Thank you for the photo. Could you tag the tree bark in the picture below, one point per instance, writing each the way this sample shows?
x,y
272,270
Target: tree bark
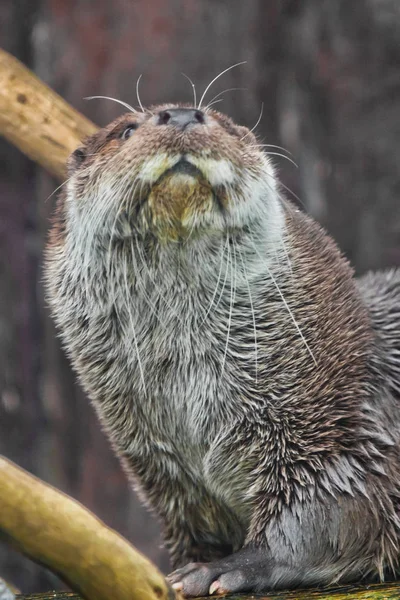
x,y
36,119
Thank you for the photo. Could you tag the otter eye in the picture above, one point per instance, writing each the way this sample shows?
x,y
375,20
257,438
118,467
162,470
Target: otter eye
x,y
128,131
79,155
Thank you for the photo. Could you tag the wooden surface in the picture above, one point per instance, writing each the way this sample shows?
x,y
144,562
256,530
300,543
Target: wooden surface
x,y
372,592
58,532
36,119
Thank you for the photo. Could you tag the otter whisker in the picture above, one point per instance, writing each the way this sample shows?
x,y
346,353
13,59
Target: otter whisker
x,y
191,231
278,289
282,198
134,335
128,106
215,79
58,188
275,283
226,274
193,88
283,156
232,300
253,314
142,286
286,253
212,101
299,200
292,316
256,125
284,201
207,108
89,229
272,146
157,289
137,93
209,308
119,191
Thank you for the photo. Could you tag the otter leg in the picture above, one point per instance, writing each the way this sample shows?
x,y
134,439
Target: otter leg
x,y
196,527
307,543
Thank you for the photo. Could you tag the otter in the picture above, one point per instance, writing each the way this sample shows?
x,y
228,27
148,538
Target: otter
x,y
248,382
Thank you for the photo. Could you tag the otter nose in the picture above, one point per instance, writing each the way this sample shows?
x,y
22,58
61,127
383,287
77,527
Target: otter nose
x,y
181,117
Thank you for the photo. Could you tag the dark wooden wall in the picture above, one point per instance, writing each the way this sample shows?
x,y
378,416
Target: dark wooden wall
x,y
328,74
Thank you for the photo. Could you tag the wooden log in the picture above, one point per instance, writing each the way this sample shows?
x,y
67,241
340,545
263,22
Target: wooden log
x,y
36,119
61,534
388,591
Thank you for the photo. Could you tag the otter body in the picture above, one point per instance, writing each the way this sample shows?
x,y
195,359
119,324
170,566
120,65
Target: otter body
x,y
248,383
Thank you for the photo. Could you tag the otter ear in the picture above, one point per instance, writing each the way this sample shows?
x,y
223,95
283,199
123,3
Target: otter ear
x,y
76,159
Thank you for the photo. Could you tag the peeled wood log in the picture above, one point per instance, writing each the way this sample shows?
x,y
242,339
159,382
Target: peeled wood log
x,y
36,119
390,591
61,534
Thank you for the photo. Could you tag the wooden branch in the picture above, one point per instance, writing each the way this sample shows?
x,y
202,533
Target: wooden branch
x,y
390,591
58,532
36,119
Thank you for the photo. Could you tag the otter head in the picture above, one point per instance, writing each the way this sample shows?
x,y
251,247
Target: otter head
x,y
172,171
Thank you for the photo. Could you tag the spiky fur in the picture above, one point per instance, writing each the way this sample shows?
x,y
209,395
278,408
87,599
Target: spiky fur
x,y
249,385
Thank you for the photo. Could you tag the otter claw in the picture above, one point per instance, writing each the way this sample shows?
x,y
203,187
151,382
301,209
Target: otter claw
x,y
247,570
178,586
215,588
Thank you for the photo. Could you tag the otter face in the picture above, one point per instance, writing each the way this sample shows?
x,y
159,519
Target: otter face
x,y
172,171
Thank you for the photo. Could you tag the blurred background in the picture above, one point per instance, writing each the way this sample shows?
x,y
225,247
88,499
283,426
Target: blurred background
x,y
328,75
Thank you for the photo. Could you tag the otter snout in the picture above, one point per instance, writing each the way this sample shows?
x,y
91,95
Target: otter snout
x,y
177,170
181,117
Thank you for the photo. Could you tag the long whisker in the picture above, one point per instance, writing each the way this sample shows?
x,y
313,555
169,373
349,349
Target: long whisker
x,y
258,121
299,200
252,311
285,303
111,278
209,308
286,253
137,92
134,335
58,188
193,89
160,294
128,106
207,108
215,79
225,276
283,156
272,146
281,197
139,279
120,192
223,92
290,313
232,300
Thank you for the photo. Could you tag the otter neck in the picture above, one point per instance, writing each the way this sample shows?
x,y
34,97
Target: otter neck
x,y
200,273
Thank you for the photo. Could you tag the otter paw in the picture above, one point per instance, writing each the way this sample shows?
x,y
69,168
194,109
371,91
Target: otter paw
x,y
245,571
